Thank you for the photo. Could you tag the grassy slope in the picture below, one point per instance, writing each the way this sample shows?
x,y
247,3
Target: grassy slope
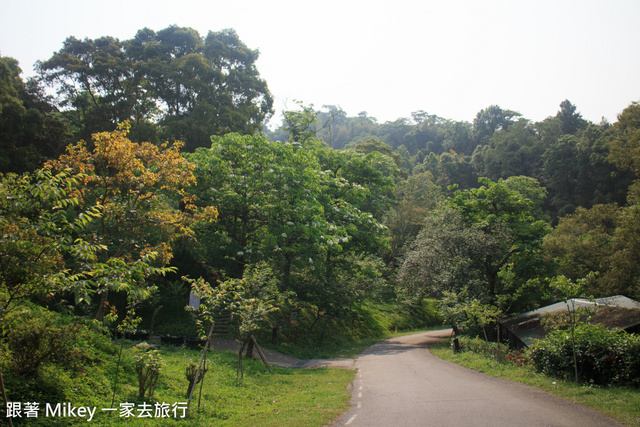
x,y
620,403
287,397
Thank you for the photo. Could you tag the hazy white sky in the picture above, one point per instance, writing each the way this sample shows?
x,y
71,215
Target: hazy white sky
x,y
389,58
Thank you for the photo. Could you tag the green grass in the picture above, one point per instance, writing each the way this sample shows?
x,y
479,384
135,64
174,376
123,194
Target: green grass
x,y
84,375
288,397
620,403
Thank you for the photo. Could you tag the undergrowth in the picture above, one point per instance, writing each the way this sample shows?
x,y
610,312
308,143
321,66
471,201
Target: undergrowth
x,y
351,334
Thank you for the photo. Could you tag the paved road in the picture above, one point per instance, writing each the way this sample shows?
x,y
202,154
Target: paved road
x,y
399,383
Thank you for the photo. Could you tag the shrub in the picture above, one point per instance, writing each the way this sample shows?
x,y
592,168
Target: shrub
x,y
604,357
480,346
38,336
517,357
148,365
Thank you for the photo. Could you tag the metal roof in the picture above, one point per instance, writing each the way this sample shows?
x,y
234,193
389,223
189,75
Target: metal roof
x,y
527,326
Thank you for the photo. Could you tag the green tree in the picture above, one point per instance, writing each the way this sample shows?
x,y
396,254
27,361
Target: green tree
x,y
625,147
137,188
208,86
570,120
599,240
37,237
30,133
487,239
191,87
416,197
491,120
513,151
373,144
266,193
300,208
95,81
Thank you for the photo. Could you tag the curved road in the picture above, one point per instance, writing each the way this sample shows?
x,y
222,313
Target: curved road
x,y
399,383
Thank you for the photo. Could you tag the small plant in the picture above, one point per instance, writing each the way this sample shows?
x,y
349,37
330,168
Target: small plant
x,y
517,357
191,372
482,347
148,366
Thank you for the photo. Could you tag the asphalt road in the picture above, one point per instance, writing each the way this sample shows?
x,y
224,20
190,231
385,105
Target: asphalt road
x,y
399,383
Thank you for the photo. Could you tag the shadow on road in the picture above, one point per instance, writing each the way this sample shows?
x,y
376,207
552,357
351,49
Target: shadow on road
x,y
406,343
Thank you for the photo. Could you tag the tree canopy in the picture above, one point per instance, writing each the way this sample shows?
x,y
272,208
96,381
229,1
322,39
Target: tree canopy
x,y
170,84
485,239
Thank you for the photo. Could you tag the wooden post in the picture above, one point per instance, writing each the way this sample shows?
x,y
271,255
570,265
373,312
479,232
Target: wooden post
x,y
202,380
572,317
204,355
264,359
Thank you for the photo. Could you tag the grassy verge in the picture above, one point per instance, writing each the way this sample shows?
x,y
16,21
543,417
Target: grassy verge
x,y
620,403
288,397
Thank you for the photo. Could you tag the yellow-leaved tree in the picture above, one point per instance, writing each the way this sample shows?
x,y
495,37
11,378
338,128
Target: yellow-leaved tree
x,y
141,191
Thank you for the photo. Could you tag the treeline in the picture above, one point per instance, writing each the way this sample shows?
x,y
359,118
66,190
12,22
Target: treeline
x,y
172,84
490,217
567,154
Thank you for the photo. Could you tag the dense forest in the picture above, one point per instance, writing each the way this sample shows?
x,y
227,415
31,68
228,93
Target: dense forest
x,y
133,170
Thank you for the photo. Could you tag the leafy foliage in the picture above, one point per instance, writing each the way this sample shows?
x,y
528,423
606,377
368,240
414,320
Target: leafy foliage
x,y
30,131
604,357
304,210
148,366
39,229
133,186
484,239
36,336
466,314
171,83
250,299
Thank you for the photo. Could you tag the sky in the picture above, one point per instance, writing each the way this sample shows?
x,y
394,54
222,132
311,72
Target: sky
x,y
451,58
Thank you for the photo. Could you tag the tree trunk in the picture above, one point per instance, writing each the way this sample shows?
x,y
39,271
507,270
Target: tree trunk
x,y
102,306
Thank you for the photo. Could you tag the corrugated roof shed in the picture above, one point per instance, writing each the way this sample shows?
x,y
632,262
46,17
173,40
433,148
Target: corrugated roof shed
x,y
617,312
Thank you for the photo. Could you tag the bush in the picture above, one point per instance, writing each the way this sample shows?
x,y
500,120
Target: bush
x,y
37,336
148,366
603,356
480,346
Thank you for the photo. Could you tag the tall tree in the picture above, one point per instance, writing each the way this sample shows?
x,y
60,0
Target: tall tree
x,y
571,121
600,240
95,82
30,132
513,151
190,86
137,188
487,239
490,120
